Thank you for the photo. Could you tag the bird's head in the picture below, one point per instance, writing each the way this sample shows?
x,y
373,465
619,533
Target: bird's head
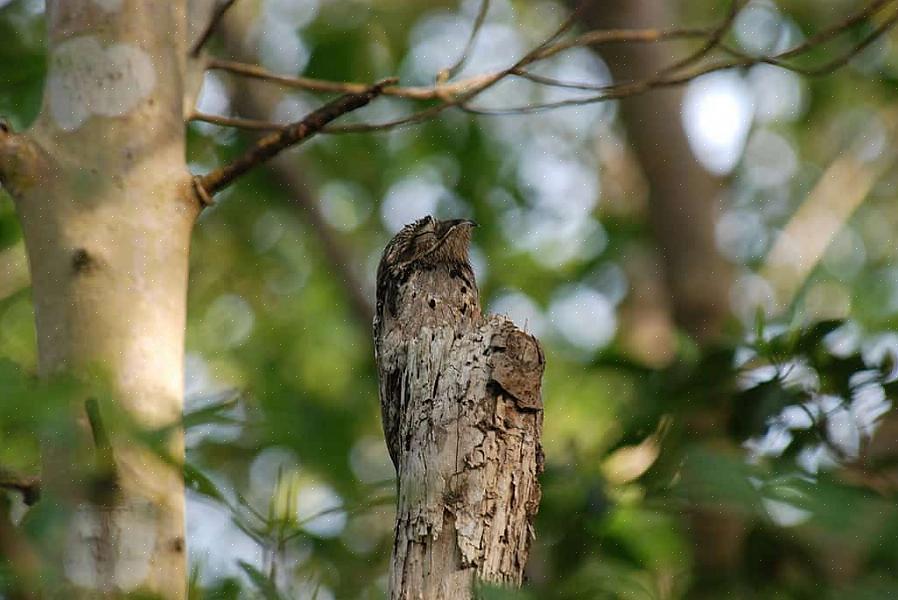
x,y
430,241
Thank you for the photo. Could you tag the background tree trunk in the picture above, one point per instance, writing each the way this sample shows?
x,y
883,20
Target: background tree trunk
x,y
107,205
682,204
682,194
468,488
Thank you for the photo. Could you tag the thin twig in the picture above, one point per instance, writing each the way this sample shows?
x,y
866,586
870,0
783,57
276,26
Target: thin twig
x,y
552,82
450,89
272,144
827,67
216,18
617,91
612,92
238,122
712,42
450,72
360,508
602,37
459,93
835,30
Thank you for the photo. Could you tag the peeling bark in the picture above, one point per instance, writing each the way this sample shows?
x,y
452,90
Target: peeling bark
x,y
468,488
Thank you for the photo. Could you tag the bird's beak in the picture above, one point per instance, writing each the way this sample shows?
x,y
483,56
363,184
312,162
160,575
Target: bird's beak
x,y
459,222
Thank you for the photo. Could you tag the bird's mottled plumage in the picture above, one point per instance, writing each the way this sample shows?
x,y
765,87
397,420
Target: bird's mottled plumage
x,y
424,279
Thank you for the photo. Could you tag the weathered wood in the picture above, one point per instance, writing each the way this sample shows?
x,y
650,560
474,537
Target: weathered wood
x,y
468,488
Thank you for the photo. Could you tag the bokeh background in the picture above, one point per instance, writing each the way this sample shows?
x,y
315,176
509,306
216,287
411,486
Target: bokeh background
x,y
711,269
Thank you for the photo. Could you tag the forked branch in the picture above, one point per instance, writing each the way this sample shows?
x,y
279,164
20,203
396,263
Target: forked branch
x,y
290,135
460,92
217,16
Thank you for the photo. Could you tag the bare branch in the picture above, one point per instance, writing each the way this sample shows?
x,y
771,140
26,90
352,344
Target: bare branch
x,y
436,92
837,29
459,93
238,122
444,90
712,42
272,144
217,16
622,90
832,65
552,82
450,72
602,37
611,92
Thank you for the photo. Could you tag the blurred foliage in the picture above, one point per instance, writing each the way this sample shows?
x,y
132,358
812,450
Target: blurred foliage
x,y
290,484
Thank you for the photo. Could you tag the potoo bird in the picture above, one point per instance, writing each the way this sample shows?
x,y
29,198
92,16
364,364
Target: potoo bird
x,y
424,279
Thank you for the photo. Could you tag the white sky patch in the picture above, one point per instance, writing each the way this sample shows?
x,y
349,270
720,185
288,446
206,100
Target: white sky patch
x,y
882,350
202,390
770,159
717,114
584,317
611,280
773,443
521,309
785,514
558,182
844,433
761,29
438,41
410,199
868,404
317,507
270,464
278,44
215,543
779,94
844,341
214,97
87,79
741,235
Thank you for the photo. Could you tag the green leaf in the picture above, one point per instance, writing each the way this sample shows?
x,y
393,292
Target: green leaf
x,y
261,581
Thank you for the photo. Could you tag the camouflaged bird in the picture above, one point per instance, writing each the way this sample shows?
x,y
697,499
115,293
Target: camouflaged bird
x,y
424,279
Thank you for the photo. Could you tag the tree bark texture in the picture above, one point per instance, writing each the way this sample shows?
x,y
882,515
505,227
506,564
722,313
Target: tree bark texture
x,y
106,205
468,488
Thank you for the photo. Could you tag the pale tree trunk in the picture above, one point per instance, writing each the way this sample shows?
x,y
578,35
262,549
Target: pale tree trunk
x,y
468,488
107,205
